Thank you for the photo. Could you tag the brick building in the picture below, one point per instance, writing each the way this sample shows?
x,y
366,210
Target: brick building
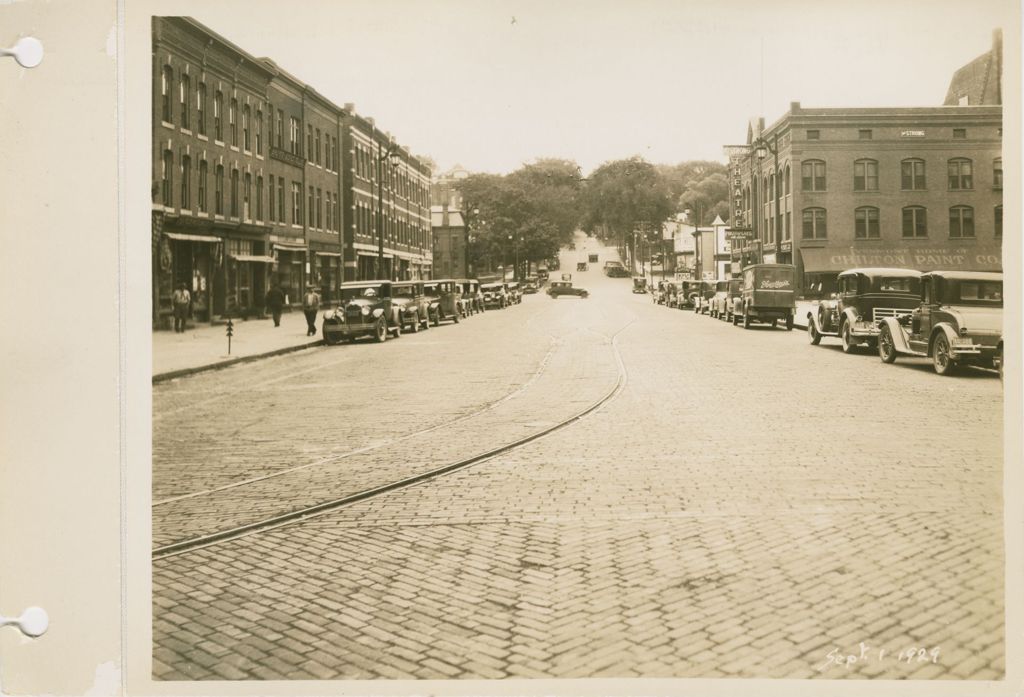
x,y
257,179
980,81
909,187
449,237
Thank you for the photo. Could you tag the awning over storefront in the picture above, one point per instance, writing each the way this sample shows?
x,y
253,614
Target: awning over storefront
x,y
387,255
936,257
250,257
326,254
191,238
289,247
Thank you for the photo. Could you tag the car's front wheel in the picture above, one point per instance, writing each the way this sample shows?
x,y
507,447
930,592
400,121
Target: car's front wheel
x,y
886,346
942,359
380,330
849,345
813,335
414,326
789,323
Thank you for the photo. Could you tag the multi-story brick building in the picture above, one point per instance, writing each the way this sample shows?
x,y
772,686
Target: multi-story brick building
x,y
255,182
450,242
909,187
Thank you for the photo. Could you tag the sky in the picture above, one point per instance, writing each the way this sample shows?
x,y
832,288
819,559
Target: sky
x,y
490,85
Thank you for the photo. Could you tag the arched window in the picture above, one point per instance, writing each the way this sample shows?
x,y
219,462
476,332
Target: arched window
x,y
814,227
185,99
786,180
202,186
166,87
234,193
218,116
915,221
233,122
865,175
961,175
866,226
218,191
812,175
912,174
246,140
961,221
201,109
165,178
997,173
186,177
999,221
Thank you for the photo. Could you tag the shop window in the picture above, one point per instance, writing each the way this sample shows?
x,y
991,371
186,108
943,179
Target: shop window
x,y
259,132
218,191
915,221
866,225
201,109
865,175
912,175
961,222
814,226
166,85
246,140
999,221
233,121
812,175
202,186
218,116
165,178
186,177
997,173
184,98
960,174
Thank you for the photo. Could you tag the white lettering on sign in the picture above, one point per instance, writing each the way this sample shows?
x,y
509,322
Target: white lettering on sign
x,y
911,134
774,285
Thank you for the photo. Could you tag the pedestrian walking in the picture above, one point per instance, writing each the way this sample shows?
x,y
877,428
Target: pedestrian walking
x,y
181,299
275,301
311,305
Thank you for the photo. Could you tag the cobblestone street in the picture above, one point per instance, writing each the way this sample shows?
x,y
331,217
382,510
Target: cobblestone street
x,y
744,505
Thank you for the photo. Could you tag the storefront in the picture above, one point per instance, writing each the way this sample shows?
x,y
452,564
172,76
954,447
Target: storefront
x,y
367,265
246,278
192,260
289,270
327,275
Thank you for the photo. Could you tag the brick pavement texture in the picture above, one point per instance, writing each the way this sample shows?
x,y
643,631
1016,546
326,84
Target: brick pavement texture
x,y
748,506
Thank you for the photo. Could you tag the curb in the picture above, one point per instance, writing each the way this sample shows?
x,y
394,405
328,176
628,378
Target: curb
x,y
184,372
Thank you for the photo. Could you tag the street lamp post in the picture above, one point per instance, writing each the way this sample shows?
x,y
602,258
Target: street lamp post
x,y
394,159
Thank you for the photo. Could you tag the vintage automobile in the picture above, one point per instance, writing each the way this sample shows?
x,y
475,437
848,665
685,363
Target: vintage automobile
x,y
718,303
702,299
560,288
580,266
408,297
444,296
592,258
542,275
615,269
865,297
531,285
734,296
471,301
768,295
365,309
494,295
515,292
639,284
674,293
958,321
688,292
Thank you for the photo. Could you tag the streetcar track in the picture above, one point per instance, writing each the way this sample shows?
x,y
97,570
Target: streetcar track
x,y
554,343
303,514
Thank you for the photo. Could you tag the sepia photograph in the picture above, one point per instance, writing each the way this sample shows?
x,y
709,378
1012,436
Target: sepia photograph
x,y
526,340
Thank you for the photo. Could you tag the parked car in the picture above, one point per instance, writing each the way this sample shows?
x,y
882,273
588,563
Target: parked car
x,y
864,298
768,295
674,290
593,259
688,292
615,269
580,266
494,295
560,288
365,309
412,304
515,292
470,302
531,285
444,296
542,276
639,284
719,301
958,321
702,299
734,297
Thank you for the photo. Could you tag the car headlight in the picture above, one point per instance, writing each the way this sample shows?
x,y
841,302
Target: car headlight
x,y
433,306
376,313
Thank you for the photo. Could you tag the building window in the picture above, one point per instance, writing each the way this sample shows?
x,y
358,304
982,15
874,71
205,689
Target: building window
x,y
309,142
959,133
185,98
997,173
280,199
247,197
186,177
234,193
296,203
166,85
787,229
270,200
915,221
814,135
865,134
866,223
233,122
814,224
218,191
785,183
311,208
912,175
319,208
999,221
317,151
246,141
202,186
960,174
293,135
259,132
201,109
165,179
961,221
218,116
280,130
259,198
330,210
812,174
865,175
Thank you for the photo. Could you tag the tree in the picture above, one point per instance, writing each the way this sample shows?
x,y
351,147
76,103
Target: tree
x,y
621,194
707,197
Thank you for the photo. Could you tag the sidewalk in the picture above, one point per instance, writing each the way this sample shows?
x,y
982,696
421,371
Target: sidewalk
x,y
204,347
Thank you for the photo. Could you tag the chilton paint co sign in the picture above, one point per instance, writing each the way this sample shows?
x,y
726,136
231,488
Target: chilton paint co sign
x,y
973,258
